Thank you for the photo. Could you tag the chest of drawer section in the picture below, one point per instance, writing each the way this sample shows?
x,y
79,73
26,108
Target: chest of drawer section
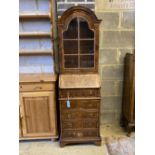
x,y
79,113
79,104
77,93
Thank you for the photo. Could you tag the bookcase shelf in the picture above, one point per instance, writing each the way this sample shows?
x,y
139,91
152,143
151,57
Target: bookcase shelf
x,y
34,15
35,52
34,34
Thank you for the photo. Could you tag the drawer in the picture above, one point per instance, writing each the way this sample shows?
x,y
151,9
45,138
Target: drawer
x,y
65,93
36,87
68,114
80,104
80,133
80,124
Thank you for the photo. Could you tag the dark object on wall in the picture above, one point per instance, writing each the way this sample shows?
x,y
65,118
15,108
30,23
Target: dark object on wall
x,y
79,82
128,104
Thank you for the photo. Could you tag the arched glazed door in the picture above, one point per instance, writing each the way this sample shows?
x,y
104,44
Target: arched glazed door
x,y
78,41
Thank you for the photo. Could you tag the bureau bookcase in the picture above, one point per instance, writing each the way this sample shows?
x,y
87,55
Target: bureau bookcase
x,y
79,81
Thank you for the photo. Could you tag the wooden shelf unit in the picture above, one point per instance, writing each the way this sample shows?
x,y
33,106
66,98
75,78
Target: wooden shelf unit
x,y
34,34
36,52
34,16
38,89
37,97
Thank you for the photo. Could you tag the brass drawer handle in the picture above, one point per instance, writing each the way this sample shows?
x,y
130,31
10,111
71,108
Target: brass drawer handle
x,y
79,134
70,125
69,115
90,105
91,92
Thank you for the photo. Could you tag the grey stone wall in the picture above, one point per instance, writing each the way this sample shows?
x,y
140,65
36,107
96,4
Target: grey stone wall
x,y
117,37
62,5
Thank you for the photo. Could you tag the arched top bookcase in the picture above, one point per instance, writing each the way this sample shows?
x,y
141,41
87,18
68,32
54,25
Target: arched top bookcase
x,y
78,41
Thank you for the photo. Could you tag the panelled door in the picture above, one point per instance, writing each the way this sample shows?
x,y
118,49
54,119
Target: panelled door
x,y
38,114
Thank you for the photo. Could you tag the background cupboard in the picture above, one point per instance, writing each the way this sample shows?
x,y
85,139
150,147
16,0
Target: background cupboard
x,y
128,103
37,106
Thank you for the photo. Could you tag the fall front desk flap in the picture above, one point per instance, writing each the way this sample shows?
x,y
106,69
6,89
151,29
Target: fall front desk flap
x,y
79,81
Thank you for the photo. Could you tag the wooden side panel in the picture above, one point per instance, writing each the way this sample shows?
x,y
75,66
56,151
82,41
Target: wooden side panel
x,y
38,110
20,130
128,91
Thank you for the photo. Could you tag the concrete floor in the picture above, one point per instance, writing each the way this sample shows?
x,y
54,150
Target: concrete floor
x,y
48,147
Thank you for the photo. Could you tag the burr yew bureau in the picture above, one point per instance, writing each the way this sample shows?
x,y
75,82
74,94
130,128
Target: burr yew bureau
x,y
79,81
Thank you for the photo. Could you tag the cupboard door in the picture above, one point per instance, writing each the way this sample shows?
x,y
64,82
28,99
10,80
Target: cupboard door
x,y
38,114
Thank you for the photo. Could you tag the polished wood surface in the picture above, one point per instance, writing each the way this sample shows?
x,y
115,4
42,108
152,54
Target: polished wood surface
x,y
79,81
81,121
72,93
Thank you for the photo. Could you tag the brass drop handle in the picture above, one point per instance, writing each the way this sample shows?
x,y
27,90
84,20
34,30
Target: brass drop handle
x,y
91,92
79,134
68,95
70,125
69,115
90,105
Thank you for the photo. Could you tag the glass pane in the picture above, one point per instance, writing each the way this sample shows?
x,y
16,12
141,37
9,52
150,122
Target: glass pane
x,y
85,32
71,61
70,46
87,46
72,31
86,61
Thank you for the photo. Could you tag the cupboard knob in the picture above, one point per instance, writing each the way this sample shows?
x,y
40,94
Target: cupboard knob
x,y
36,88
